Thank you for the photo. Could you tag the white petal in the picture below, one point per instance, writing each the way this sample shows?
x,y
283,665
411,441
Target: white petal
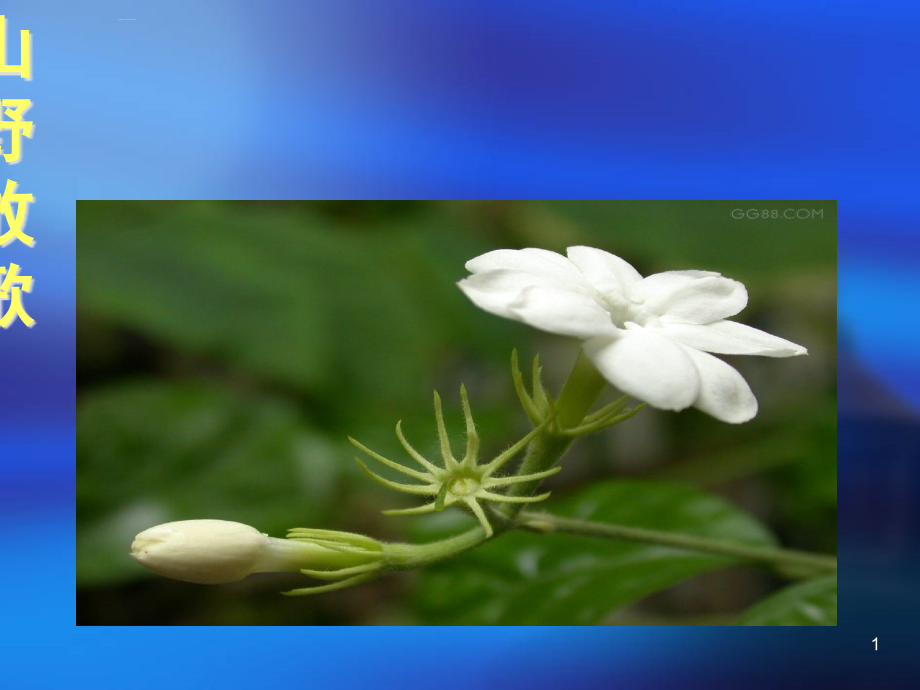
x,y
546,254
496,291
723,391
537,261
563,312
647,365
692,296
609,274
731,338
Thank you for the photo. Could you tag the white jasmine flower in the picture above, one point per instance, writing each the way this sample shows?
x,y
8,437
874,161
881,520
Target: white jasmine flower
x,y
211,552
649,337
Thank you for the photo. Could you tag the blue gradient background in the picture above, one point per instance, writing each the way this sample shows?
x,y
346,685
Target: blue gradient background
x,y
499,99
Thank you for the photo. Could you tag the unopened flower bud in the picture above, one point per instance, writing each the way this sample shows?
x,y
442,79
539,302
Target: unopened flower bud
x,y
213,552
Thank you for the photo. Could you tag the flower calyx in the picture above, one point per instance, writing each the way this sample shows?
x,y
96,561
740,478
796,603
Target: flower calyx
x,y
540,405
360,558
465,483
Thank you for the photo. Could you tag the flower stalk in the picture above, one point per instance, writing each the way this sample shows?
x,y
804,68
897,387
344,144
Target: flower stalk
x,y
579,393
546,523
406,556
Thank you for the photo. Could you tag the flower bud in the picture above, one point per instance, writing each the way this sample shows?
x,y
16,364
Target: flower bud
x,y
213,552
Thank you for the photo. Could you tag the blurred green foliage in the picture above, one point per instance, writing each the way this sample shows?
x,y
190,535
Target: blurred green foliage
x,y
813,602
225,349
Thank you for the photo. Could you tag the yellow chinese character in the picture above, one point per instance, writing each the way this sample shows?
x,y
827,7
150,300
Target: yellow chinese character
x,y
15,109
16,284
24,69
16,220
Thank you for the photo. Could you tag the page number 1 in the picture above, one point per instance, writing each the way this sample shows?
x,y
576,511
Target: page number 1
x,y
875,641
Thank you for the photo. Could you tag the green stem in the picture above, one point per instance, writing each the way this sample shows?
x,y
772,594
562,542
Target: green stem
x,y
544,451
579,393
541,522
406,556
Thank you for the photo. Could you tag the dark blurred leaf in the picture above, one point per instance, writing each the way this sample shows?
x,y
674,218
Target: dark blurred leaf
x,y
155,452
810,485
808,603
560,579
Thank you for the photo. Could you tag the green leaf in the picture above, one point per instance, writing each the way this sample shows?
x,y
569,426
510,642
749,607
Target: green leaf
x,y
151,452
813,602
561,579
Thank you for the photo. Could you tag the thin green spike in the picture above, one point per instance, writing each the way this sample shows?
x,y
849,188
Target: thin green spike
x,y
499,498
611,419
416,489
341,573
472,437
331,545
630,413
442,433
539,394
597,423
440,498
328,535
414,453
415,474
526,400
357,579
515,479
335,546
420,510
504,457
612,408
480,515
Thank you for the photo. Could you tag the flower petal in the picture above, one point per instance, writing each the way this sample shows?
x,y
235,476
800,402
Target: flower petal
x,y
536,261
691,296
648,366
731,338
607,273
563,312
495,291
724,393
